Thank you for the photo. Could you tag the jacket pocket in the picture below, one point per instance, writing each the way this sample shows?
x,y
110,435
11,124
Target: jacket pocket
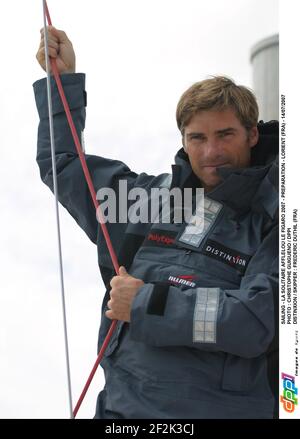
x,y
115,338
236,373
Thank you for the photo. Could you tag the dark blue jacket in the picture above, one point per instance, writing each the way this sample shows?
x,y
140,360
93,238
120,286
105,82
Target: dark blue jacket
x,y
203,336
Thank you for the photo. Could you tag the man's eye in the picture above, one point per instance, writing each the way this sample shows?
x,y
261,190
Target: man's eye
x,y
225,134
196,137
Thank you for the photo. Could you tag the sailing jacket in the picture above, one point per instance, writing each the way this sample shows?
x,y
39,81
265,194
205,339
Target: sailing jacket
x,y
203,337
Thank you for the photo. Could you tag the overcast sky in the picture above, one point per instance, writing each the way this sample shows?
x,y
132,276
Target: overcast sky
x,y
139,56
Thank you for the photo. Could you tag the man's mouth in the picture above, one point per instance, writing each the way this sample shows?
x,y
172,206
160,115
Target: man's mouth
x,y
215,165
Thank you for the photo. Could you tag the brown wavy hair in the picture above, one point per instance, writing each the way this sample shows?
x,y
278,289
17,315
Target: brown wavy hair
x,y
217,93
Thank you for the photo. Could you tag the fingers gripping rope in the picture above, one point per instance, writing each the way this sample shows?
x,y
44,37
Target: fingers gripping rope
x,y
94,199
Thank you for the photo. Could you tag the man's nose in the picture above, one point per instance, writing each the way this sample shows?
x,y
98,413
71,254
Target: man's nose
x,y
213,148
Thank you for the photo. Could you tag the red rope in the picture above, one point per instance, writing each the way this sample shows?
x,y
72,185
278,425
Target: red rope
x,y
98,210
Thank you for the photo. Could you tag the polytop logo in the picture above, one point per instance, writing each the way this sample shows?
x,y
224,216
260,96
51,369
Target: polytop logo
x,y
288,398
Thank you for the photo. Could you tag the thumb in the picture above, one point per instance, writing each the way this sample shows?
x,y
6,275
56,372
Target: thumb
x,y
122,271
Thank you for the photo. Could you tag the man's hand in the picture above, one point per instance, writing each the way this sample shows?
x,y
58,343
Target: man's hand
x,y
60,48
124,288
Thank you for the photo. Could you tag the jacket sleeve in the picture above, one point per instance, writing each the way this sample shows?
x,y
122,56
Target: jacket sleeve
x,y
240,322
72,187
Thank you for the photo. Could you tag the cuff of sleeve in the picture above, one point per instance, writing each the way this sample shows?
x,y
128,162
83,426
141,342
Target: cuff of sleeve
x,y
74,88
163,315
138,313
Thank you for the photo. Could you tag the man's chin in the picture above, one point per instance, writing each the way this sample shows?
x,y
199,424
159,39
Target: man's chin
x,y
212,182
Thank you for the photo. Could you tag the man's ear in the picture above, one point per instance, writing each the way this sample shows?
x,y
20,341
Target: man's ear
x,y
253,136
183,144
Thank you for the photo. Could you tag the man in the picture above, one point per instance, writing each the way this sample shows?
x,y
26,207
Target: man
x,y
197,307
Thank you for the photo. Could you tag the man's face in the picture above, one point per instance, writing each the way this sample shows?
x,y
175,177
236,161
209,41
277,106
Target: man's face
x,y
217,139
